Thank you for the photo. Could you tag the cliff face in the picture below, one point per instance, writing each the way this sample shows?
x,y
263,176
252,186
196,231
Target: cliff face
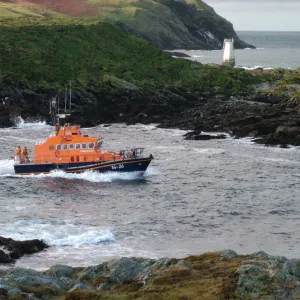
x,y
177,24
168,24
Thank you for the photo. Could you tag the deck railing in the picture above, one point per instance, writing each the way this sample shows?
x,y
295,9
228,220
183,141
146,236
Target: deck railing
x,y
95,157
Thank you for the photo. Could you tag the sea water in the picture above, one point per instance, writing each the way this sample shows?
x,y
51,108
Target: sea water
x,y
196,196
274,50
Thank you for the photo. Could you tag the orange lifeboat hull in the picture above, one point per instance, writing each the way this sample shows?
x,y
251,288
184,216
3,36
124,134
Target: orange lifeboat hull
x,y
138,165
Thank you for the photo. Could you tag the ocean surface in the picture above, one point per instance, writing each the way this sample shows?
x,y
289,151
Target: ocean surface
x,y
197,196
274,50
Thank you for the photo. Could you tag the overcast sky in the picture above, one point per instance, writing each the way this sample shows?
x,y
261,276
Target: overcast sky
x,y
276,15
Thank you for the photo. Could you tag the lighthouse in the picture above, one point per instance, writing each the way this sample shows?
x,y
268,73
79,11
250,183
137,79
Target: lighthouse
x,y
228,56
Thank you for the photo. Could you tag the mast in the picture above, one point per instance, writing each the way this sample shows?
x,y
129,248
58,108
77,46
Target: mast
x,y
70,94
54,107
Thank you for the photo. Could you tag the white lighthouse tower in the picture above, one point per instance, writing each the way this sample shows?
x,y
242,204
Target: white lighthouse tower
x,y
228,56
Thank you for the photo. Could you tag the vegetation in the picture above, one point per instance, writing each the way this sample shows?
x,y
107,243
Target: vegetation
x,y
206,277
51,54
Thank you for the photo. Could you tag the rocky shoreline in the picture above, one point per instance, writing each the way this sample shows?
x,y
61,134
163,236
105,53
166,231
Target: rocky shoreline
x,y
212,275
268,119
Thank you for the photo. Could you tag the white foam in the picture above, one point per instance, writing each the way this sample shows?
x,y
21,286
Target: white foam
x,y
209,151
20,123
254,68
88,176
7,167
64,234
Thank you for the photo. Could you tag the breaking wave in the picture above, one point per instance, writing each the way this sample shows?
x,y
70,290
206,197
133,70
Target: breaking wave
x,y
62,234
20,123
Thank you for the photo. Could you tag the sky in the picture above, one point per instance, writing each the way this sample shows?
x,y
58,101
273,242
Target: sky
x,y
268,15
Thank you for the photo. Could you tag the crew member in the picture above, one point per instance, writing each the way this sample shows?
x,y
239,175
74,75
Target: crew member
x,y
18,151
25,154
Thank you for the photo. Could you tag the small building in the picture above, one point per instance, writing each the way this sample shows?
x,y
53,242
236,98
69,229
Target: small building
x,y
228,56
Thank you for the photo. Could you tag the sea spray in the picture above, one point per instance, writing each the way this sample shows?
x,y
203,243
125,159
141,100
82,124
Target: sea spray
x,y
20,123
7,167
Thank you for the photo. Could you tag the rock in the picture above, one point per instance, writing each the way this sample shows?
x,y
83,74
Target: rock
x,y
124,269
292,267
3,294
159,264
253,280
17,249
19,276
261,254
228,254
4,258
104,287
203,137
14,291
5,121
67,283
60,271
79,286
182,264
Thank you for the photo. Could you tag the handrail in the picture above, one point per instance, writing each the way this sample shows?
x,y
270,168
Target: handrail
x,y
54,158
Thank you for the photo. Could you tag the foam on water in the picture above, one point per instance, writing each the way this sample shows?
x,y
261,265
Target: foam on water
x,y
7,167
209,151
7,170
62,234
254,68
20,123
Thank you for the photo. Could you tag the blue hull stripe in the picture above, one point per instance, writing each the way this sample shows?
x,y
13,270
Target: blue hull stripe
x,y
132,165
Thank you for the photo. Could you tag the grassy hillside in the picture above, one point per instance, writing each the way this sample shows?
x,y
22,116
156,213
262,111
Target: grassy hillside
x,y
167,24
53,54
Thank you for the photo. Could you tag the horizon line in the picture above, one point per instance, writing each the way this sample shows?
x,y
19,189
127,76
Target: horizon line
x,y
268,30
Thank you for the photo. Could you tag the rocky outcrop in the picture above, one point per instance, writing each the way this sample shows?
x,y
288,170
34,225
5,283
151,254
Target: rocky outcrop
x,y
268,120
15,249
215,275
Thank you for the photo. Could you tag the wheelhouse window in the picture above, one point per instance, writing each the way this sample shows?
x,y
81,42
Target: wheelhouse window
x,y
51,148
71,146
58,147
77,146
65,147
83,146
91,145
99,144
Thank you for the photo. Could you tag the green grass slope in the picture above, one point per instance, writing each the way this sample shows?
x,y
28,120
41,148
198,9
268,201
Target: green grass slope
x,y
53,54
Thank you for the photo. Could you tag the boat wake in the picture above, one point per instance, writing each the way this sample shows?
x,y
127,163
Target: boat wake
x,y
91,176
7,167
7,170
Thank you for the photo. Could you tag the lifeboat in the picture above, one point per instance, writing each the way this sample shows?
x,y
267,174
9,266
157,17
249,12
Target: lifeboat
x,y
68,150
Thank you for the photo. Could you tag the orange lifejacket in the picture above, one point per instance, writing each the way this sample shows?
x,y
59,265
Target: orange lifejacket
x,y
24,152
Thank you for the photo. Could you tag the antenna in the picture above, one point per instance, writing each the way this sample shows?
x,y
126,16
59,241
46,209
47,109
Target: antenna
x,y
70,94
66,100
58,105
